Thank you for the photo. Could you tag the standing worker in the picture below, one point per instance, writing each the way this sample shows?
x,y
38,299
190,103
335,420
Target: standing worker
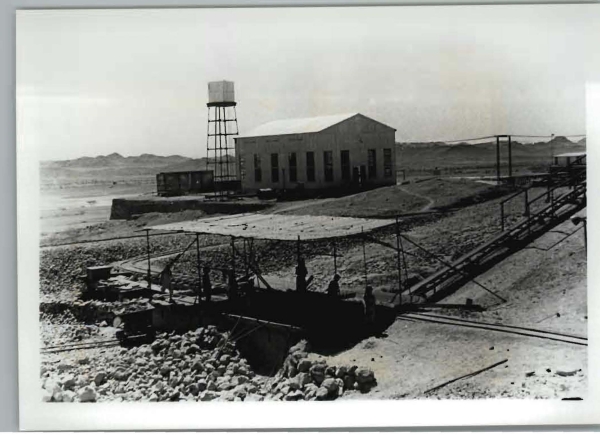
x,y
206,286
334,286
369,301
198,298
232,286
301,273
165,281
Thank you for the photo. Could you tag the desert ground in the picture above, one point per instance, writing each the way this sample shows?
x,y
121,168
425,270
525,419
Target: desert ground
x,y
544,286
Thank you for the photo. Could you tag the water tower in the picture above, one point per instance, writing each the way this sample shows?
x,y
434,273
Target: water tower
x,y
222,125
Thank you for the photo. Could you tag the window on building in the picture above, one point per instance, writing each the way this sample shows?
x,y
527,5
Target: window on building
x,y
242,167
257,169
372,163
345,159
328,165
387,163
310,166
293,165
274,168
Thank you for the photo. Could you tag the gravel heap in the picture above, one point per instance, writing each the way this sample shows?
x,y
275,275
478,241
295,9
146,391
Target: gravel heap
x,y
304,379
90,311
197,366
201,365
64,328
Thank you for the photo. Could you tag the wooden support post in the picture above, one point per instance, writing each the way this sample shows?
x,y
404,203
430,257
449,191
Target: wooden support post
x,y
233,255
466,376
148,253
502,216
398,248
251,259
244,257
498,159
364,256
527,211
199,295
334,257
405,268
585,235
510,158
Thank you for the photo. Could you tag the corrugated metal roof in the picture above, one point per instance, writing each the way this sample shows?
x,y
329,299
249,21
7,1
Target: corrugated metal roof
x,y
298,125
277,227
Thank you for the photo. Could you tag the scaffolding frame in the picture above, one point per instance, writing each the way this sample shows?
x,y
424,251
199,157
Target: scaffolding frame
x,y
220,148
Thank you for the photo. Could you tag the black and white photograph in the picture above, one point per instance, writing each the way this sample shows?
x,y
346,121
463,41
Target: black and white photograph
x,y
350,206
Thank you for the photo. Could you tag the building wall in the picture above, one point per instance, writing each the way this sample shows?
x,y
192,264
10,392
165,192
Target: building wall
x,y
357,135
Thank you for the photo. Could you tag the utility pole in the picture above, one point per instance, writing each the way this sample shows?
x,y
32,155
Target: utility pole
x,y
498,159
510,158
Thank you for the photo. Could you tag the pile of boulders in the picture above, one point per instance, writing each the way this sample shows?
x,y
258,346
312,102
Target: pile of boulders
x,y
302,378
202,365
91,311
65,329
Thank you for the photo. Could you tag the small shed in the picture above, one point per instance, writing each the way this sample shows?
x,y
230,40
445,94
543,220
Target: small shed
x,y
565,159
184,182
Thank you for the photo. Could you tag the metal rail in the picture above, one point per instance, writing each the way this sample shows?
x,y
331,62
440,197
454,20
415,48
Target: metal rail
x,y
80,346
516,330
520,328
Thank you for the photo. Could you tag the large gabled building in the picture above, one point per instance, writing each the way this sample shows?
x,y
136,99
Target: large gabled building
x,y
325,152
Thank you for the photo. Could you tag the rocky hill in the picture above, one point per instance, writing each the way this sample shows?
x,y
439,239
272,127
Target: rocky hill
x,y
116,160
117,167
442,155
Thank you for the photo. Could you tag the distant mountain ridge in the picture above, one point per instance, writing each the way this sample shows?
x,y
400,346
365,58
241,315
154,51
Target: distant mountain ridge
x,y
440,154
117,160
116,166
558,140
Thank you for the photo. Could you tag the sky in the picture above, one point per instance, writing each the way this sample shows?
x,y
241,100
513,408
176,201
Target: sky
x,y
94,82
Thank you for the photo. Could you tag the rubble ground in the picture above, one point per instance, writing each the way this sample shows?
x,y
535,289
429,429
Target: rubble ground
x,y
201,365
408,359
545,289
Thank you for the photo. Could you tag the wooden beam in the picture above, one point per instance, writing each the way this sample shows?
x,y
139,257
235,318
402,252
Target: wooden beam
x,y
465,376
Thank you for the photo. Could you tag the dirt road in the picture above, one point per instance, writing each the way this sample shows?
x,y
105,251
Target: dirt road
x,y
430,201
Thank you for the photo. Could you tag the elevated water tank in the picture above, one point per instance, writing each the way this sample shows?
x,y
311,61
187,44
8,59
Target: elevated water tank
x,y
221,93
